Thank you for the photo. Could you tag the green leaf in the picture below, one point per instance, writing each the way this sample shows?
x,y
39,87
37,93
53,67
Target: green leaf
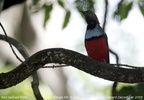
x,y
141,6
48,9
123,10
126,90
66,20
135,92
61,3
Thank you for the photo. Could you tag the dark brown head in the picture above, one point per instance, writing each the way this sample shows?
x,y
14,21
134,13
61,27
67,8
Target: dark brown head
x,y
91,18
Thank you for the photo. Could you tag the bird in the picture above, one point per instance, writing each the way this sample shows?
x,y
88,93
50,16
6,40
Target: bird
x,y
96,41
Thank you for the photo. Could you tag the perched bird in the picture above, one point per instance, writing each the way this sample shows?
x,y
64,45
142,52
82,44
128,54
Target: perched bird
x,y
95,38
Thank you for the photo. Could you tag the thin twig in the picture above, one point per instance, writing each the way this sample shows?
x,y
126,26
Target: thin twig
x,y
55,66
23,52
105,14
10,43
116,55
117,58
17,45
114,91
126,65
35,84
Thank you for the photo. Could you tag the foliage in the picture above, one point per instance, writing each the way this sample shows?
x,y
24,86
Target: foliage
x,y
67,17
125,6
141,6
61,3
121,12
132,92
123,9
48,9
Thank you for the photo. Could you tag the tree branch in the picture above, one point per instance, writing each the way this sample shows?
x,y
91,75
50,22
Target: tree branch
x,y
105,14
35,85
15,43
9,43
24,53
79,61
